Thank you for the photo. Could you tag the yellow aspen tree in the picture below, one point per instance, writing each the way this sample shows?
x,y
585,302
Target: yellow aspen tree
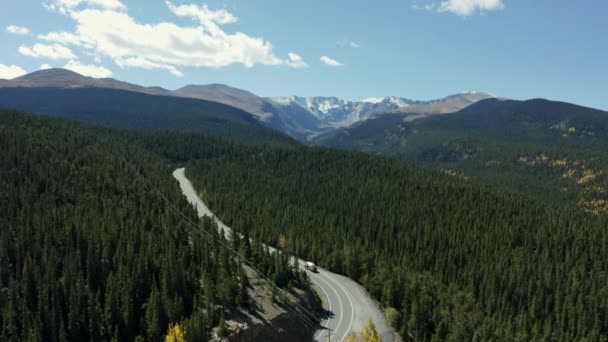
x,y
369,333
175,333
351,337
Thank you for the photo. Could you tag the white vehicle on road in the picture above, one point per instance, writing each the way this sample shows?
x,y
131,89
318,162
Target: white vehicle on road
x,y
310,266
350,305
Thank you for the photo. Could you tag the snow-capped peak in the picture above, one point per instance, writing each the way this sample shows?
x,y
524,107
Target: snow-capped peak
x,y
284,100
392,100
336,112
373,100
324,104
397,101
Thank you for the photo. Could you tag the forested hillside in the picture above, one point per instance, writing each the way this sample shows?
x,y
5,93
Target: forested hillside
x,y
89,252
551,150
144,112
458,261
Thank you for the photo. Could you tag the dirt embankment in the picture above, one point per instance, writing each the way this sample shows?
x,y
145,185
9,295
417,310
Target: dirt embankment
x,y
268,319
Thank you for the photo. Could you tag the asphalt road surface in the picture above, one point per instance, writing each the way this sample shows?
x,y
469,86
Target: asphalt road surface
x,y
349,304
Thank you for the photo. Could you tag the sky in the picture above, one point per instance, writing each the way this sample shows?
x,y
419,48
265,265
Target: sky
x,y
352,49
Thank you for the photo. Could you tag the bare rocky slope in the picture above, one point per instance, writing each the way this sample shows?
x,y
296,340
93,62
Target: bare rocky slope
x,y
303,118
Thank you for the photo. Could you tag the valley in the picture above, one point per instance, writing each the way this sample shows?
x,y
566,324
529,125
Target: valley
x,y
503,193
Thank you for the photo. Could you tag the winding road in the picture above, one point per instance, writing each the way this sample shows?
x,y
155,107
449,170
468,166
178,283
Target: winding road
x,y
349,304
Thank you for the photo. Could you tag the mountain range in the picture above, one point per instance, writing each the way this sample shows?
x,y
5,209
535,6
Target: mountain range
x,y
472,134
303,118
337,113
506,222
117,104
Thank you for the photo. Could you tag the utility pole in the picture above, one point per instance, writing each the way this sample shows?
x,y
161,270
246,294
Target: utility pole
x,y
329,331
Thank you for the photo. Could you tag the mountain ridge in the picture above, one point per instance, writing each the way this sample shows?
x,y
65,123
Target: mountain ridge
x,y
303,118
63,78
131,110
339,113
534,146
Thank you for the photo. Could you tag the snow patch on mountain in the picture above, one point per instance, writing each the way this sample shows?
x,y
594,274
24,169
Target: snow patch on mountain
x,y
373,100
333,112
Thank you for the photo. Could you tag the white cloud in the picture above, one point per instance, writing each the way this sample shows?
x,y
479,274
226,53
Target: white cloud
x,y
140,62
67,6
8,72
330,61
45,67
466,7
349,43
88,69
18,30
54,51
202,14
109,31
295,61
61,38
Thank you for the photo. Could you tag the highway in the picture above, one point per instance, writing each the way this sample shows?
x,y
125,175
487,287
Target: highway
x,y
349,304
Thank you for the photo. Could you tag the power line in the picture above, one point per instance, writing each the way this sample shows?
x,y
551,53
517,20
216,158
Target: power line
x,y
310,322
302,313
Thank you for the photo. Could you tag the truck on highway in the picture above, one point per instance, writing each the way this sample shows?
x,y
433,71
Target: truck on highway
x,y
310,266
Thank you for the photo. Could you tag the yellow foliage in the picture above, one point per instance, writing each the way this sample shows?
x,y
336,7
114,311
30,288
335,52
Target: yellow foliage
x,y
588,176
369,333
352,337
175,333
597,206
559,162
569,174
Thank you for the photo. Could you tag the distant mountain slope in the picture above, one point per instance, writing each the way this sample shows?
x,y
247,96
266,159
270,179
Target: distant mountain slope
x,y
537,146
299,117
545,114
228,95
535,120
449,104
295,122
62,78
133,110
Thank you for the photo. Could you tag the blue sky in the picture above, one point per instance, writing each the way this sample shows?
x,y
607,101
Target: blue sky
x,y
419,49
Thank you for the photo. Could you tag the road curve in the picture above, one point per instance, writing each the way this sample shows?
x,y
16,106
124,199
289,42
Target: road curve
x,y
349,304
